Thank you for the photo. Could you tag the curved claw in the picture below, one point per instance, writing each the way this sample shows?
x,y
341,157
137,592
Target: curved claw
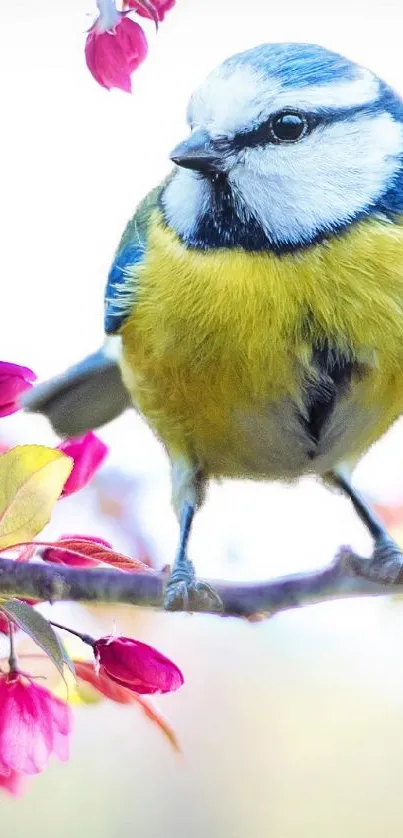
x,y
189,595
385,565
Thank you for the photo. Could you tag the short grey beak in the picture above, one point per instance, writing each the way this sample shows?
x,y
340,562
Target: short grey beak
x,y
197,153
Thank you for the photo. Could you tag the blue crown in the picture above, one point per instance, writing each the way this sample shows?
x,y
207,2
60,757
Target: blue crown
x,y
296,65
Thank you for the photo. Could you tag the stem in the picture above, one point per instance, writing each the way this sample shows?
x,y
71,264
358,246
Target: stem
x,y
109,16
12,658
86,638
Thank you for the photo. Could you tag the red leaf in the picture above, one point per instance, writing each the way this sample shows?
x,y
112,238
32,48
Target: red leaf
x,y
104,685
158,719
114,692
87,549
27,553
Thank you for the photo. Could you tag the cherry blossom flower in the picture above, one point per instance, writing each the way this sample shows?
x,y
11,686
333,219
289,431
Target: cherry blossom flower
x,y
33,725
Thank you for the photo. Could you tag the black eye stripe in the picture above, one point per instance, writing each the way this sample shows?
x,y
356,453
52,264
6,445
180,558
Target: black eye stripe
x,y
266,131
263,135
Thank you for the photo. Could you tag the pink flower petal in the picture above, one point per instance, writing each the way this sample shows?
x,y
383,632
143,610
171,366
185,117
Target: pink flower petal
x,y
33,723
25,737
88,453
15,369
13,783
161,8
14,380
112,56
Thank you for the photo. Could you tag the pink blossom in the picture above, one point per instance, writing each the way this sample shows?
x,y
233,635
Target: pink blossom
x,y
88,453
136,665
57,555
14,380
33,725
115,47
152,8
12,782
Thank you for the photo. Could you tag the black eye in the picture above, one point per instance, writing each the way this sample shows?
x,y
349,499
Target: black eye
x,y
288,127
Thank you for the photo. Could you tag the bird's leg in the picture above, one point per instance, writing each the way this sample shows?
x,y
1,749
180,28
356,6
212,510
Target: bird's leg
x,y
183,589
386,562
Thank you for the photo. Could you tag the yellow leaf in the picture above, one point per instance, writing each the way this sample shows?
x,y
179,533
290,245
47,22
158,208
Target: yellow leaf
x,y
31,480
78,693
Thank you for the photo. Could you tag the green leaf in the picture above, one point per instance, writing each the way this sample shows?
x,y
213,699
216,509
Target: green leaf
x,y
39,630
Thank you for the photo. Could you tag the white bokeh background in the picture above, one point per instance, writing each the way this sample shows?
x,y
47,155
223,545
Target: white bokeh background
x,y
75,160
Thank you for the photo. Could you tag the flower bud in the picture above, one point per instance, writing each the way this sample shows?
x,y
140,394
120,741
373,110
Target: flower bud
x,y
136,665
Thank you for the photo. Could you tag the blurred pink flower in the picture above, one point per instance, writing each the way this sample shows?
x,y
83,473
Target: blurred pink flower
x,y
33,725
57,555
14,380
155,8
88,453
115,47
4,624
136,666
12,782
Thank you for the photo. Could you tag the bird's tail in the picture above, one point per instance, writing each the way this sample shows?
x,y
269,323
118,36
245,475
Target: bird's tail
x,y
86,396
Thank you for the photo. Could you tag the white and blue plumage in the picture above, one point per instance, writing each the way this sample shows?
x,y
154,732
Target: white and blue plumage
x,y
285,197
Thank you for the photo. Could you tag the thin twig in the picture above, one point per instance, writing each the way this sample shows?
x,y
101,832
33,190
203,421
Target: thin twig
x,y
53,583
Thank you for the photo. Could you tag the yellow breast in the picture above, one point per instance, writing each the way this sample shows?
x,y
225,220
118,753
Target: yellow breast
x,y
218,338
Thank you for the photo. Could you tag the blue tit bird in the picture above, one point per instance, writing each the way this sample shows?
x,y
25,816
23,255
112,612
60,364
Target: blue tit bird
x,y
255,304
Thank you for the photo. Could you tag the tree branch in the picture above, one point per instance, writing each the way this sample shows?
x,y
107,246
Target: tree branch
x,y
57,582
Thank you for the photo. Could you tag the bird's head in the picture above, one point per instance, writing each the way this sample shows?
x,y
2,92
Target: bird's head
x,y
289,143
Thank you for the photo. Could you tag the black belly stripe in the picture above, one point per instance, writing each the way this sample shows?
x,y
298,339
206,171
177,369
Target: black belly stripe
x,y
330,380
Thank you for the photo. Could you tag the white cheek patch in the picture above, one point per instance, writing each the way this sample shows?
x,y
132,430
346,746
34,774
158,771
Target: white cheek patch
x,y
296,191
185,199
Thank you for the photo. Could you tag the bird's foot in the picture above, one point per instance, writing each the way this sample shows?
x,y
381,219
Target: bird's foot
x,y
186,593
385,565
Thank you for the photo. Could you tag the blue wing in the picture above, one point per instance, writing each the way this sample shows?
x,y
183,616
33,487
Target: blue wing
x,y
120,292
121,289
